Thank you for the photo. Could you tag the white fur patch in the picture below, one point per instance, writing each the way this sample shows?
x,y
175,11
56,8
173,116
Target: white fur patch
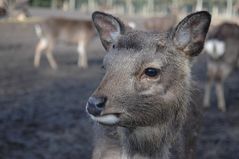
x,y
44,42
159,89
81,48
38,30
148,91
215,48
106,119
132,25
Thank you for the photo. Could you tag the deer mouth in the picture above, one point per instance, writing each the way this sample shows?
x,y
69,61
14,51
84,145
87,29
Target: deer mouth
x,y
107,119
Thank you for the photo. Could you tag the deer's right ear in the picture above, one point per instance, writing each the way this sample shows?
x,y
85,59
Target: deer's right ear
x,y
109,28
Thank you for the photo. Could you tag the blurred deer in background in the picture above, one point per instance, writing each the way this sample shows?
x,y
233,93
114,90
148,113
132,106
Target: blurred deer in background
x,y
52,30
222,47
17,10
20,10
144,103
3,8
162,23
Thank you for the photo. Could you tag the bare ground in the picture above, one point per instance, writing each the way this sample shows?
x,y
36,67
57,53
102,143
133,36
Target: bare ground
x,y
43,115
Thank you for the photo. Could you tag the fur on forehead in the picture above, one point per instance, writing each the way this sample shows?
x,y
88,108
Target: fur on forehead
x,y
139,40
135,57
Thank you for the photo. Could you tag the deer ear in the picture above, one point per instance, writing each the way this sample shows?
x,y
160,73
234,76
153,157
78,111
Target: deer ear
x,y
190,33
109,28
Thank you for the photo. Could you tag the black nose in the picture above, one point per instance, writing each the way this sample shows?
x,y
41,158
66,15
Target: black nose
x,y
95,105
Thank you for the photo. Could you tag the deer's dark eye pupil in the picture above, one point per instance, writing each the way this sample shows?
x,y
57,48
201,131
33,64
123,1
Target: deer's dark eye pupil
x,y
151,72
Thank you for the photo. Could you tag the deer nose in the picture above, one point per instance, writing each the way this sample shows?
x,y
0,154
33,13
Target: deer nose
x,y
95,105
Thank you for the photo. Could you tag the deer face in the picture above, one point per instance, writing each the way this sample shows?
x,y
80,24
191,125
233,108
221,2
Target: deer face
x,y
147,75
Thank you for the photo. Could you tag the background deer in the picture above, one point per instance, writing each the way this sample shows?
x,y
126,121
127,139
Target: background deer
x,y
163,23
3,8
18,10
52,30
143,102
223,50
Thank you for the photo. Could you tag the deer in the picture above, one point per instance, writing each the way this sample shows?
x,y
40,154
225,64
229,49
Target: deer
x,y
144,108
223,52
162,24
55,29
20,10
3,8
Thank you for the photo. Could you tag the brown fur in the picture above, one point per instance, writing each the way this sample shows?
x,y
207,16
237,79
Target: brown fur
x,y
161,24
3,8
220,68
53,30
148,117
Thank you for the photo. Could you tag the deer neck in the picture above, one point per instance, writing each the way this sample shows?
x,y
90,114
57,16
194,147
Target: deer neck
x,y
154,142
147,142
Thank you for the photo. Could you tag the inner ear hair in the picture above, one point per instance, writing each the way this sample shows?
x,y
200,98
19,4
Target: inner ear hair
x,y
109,28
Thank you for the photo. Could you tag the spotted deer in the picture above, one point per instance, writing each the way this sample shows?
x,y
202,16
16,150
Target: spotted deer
x,y
53,30
144,108
223,50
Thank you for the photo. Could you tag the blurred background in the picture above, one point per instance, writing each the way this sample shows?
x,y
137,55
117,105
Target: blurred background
x,y
42,111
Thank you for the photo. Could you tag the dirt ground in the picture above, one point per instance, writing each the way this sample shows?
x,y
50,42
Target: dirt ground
x,y
42,111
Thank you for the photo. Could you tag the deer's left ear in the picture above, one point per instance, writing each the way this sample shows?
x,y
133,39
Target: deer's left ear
x,y
190,33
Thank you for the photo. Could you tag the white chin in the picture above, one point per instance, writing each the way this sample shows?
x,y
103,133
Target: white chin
x,y
106,119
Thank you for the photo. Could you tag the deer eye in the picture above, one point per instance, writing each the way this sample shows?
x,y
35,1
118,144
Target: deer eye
x,y
151,72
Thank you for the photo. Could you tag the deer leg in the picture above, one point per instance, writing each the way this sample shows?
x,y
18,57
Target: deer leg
x,y
50,57
220,96
42,45
82,61
207,94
